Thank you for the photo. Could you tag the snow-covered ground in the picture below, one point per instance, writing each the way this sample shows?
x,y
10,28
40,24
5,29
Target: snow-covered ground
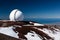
x,y
8,31
55,35
31,36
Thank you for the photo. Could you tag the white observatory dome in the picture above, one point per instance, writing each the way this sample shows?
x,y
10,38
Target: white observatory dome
x,y
16,15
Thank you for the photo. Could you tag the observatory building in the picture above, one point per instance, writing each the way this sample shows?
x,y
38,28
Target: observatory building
x,y
16,15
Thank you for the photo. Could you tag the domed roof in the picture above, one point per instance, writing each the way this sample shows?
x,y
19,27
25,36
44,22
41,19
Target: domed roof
x,y
16,15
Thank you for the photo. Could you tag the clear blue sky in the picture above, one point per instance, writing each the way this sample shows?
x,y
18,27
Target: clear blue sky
x,y
31,8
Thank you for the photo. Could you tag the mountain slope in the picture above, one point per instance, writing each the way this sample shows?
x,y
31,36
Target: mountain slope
x,y
35,31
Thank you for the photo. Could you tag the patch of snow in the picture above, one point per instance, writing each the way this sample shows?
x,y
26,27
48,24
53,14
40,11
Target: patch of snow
x,y
8,31
34,37
30,22
55,35
37,24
